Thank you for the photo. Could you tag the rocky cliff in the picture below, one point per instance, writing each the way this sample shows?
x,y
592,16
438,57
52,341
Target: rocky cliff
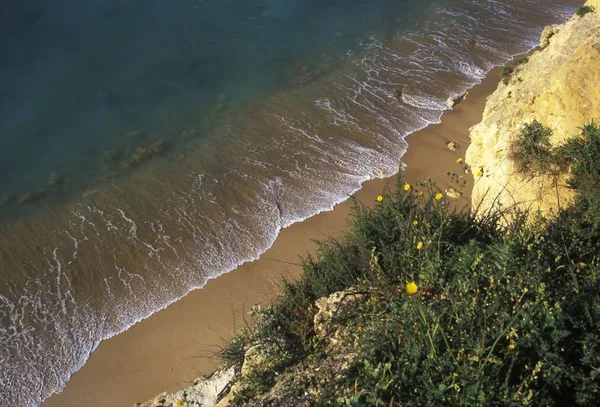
x,y
559,86
219,389
204,392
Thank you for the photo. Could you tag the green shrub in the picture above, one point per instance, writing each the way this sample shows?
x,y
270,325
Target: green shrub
x,y
503,315
583,156
532,151
583,153
233,353
583,10
510,323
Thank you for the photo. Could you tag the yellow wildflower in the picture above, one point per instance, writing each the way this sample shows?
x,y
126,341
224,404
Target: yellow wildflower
x,y
379,198
459,160
512,346
407,187
415,222
419,245
411,288
180,402
421,193
439,196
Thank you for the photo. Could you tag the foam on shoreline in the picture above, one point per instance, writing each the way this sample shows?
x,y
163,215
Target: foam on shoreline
x,y
252,282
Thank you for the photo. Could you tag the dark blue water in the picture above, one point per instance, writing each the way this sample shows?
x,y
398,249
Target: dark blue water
x,y
78,77
146,146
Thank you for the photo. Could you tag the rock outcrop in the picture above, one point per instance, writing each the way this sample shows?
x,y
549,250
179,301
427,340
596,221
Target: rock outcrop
x,y
558,87
204,392
220,388
328,307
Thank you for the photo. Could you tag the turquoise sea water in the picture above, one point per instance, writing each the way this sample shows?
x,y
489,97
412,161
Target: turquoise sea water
x,y
78,77
146,146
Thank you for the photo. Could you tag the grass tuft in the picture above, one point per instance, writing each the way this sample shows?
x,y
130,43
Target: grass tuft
x,y
583,10
532,151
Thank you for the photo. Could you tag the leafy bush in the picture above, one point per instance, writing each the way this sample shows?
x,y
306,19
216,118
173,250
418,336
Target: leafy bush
x,y
583,10
233,353
532,151
583,156
503,315
507,324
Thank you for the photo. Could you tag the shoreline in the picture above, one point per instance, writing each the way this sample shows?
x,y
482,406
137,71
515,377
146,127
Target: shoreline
x,y
164,352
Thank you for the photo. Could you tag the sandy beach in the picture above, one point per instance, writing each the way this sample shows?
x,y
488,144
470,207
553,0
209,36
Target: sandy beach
x,y
168,350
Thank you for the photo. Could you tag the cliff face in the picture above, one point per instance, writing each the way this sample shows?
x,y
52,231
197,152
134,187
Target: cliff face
x,y
204,392
559,87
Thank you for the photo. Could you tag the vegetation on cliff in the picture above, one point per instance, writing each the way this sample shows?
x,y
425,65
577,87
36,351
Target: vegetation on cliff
x,y
557,87
583,10
447,308
579,157
532,150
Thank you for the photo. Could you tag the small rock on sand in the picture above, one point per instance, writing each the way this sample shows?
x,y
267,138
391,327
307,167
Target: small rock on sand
x,y
453,193
452,145
454,100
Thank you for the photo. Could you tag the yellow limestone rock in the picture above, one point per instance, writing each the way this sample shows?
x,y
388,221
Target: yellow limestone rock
x,y
559,87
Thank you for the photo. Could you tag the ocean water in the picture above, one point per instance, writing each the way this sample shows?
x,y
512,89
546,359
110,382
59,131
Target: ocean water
x,y
146,146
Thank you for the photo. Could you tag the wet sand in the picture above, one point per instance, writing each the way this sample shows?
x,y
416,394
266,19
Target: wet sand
x,y
166,351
